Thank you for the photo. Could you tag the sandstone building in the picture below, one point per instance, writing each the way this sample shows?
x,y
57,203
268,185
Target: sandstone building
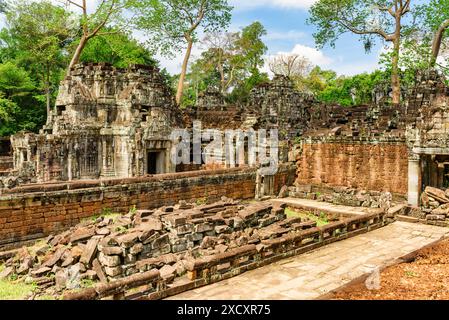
x,y
107,122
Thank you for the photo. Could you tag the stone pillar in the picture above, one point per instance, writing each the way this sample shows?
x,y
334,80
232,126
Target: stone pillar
x,y
414,172
69,167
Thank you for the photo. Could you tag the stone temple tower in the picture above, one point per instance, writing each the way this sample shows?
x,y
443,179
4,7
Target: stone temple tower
x,y
107,122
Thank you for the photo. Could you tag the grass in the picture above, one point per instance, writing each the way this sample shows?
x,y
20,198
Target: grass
x,y
320,221
10,290
14,290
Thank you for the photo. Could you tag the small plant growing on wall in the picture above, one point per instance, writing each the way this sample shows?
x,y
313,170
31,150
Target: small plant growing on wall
x,y
133,210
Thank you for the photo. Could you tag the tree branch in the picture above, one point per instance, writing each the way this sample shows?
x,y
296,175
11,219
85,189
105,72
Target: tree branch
x,y
105,20
387,37
387,9
75,4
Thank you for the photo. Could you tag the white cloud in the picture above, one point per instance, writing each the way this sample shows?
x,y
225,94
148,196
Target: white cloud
x,y
250,4
315,56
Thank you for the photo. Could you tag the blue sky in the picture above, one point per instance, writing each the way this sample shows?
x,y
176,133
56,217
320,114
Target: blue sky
x,y
285,21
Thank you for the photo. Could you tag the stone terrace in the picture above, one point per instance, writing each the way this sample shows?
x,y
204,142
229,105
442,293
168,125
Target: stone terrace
x,y
316,273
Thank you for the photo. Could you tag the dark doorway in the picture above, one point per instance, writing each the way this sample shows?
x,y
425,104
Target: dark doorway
x,y
152,163
156,162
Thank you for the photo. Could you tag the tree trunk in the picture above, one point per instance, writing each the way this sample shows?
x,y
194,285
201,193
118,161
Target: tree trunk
x,y
222,78
438,38
395,79
47,92
182,76
77,54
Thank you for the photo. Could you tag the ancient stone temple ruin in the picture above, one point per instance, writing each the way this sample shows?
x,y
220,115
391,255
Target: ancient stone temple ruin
x,y
428,136
280,106
107,122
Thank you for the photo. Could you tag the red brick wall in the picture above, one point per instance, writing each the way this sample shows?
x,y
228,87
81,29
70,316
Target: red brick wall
x,y
35,211
377,167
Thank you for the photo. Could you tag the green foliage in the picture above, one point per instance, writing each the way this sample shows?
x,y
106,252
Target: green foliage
x,y
87,283
251,47
336,17
233,62
346,91
14,289
321,219
244,87
18,98
167,22
36,44
14,81
118,49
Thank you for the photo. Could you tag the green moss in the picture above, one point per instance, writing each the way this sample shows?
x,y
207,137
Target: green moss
x,y
87,283
321,220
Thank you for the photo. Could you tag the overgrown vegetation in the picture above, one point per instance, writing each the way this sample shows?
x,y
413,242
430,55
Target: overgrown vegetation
x,y
321,219
11,289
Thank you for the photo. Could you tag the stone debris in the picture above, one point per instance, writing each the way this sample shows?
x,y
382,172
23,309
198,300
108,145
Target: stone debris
x,y
435,206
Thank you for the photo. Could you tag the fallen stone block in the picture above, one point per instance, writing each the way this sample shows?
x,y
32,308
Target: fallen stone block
x,y
113,271
435,217
160,242
90,251
437,194
127,240
109,261
96,266
168,272
7,272
111,251
54,258
82,234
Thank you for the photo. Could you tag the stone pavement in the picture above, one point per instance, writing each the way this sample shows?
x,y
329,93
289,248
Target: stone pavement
x,y
324,206
315,273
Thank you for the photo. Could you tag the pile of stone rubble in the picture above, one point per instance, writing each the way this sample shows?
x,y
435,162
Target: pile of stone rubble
x,y
107,248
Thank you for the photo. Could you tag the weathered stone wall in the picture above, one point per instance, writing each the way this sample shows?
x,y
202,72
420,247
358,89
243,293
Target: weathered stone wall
x,y
356,164
6,163
37,210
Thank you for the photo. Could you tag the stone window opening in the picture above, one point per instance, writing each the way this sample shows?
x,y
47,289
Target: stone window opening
x,y
60,109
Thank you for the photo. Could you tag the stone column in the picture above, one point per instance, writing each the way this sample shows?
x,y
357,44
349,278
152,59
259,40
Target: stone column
x,y
69,167
414,172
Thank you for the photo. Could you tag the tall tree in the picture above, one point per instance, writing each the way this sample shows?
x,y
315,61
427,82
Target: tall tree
x,y
118,49
223,55
93,24
367,18
252,47
173,24
435,19
38,32
290,65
